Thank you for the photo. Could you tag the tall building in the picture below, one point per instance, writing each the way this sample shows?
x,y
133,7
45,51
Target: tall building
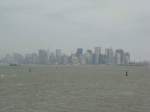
x,y
97,55
31,58
119,56
74,59
109,56
126,58
103,59
89,57
52,59
65,59
8,59
82,60
18,58
58,56
35,58
79,55
79,52
28,59
43,57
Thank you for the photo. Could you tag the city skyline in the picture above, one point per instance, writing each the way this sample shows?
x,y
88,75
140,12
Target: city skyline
x,y
69,51
93,56
33,24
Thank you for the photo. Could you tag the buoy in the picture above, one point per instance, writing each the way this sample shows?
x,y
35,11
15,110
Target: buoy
x,y
126,74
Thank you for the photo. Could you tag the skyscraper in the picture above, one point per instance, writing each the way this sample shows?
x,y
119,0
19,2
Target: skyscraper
x,y
119,56
35,58
79,52
74,59
52,58
43,56
18,58
79,55
126,58
31,58
109,56
8,59
97,55
58,56
89,57
65,59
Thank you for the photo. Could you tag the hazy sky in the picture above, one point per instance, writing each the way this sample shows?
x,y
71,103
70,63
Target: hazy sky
x,y
27,25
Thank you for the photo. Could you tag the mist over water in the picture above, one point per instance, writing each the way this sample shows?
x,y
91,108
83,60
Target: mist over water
x,y
53,56
26,26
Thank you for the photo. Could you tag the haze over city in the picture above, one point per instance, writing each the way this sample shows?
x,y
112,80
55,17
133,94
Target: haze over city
x,y
29,25
74,55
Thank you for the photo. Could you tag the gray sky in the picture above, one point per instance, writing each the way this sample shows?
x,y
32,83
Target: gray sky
x,y
27,25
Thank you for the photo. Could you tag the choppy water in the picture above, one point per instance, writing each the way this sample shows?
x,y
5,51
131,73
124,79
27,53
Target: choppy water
x,y
74,89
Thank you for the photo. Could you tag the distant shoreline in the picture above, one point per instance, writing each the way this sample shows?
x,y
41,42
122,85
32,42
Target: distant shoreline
x,y
17,65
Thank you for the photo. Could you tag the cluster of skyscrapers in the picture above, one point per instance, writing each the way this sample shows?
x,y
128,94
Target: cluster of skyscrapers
x,y
80,56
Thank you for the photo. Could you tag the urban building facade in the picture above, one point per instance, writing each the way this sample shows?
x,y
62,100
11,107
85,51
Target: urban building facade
x,y
43,57
96,57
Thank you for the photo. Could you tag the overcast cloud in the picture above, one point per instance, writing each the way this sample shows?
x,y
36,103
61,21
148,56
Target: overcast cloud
x,y
27,25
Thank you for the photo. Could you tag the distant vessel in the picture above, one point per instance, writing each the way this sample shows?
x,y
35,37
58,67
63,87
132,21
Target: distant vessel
x,y
126,74
13,64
